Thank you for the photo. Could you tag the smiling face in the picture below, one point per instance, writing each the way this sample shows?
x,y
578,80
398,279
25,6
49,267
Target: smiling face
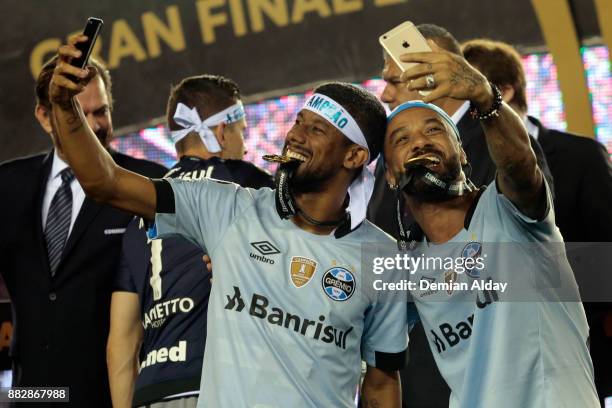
x,y
421,132
320,146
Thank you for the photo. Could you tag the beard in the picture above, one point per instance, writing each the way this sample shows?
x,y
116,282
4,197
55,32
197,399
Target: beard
x,y
420,188
104,136
304,180
307,181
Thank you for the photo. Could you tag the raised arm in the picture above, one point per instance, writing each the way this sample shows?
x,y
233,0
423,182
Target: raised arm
x,y
518,175
93,166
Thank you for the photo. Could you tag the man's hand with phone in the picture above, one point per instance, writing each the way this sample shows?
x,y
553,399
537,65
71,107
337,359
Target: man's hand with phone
x,y
446,75
68,80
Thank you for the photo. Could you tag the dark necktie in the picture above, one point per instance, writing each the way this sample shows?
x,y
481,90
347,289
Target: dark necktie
x,y
58,220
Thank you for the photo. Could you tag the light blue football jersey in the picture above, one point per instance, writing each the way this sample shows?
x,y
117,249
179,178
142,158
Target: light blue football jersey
x,y
287,324
523,346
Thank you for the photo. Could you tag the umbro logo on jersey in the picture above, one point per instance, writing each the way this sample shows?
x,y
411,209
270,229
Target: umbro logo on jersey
x,y
264,248
430,291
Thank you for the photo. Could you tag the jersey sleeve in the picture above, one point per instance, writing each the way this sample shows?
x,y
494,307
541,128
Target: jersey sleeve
x,y
518,224
124,279
200,211
384,344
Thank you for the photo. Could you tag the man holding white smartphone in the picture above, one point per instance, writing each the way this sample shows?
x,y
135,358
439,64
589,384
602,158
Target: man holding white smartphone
x,y
422,384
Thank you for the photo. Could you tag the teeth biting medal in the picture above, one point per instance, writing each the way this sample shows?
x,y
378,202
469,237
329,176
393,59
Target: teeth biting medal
x,y
275,158
421,160
286,158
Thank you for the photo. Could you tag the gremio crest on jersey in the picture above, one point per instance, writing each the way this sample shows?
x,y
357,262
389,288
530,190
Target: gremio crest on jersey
x,y
472,250
338,283
301,270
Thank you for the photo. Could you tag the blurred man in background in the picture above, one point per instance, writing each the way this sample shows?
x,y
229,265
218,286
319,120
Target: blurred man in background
x,y
583,184
168,275
60,253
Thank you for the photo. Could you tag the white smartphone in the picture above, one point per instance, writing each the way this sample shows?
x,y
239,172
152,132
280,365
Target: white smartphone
x,y
403,39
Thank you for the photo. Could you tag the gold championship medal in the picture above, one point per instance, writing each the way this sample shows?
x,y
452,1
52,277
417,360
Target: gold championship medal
x,y
282,159
421,160
275,158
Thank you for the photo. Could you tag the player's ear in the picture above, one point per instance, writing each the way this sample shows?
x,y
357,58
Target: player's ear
x,y
43,115
355,157
219,132
390,177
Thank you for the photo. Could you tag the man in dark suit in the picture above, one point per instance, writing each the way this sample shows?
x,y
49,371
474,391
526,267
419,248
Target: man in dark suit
x,y
582,175
59,254
422,385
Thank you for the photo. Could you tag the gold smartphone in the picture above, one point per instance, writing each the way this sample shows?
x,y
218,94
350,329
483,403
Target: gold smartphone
x,y
403,39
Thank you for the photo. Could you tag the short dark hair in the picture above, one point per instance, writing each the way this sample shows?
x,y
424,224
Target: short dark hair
x,y
209,94
44,78
501,64
441,36
364,107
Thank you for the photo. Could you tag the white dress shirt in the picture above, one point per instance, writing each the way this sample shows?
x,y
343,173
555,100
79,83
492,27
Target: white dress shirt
x,y
532,128
53,184
456,117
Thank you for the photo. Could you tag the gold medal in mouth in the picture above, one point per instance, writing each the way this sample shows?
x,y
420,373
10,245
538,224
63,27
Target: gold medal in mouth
x,y
422,160
275,158
286,158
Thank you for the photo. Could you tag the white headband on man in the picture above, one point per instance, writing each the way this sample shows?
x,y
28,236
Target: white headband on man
x,y
362,187
190,121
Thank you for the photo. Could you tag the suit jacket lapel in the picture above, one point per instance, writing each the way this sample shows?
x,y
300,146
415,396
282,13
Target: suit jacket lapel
x,y
47,163
86,215
466,126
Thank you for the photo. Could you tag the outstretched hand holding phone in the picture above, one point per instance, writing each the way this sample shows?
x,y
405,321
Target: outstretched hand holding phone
x,y
83,45
101,178
69,80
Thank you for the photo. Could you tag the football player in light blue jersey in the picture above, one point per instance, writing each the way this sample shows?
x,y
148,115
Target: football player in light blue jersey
x,y
524,347
288,323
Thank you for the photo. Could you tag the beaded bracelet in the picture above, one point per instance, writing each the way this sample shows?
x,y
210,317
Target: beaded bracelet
x,y
493,112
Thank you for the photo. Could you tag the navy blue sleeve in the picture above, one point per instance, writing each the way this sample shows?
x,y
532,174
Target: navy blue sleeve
x,y
124,279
